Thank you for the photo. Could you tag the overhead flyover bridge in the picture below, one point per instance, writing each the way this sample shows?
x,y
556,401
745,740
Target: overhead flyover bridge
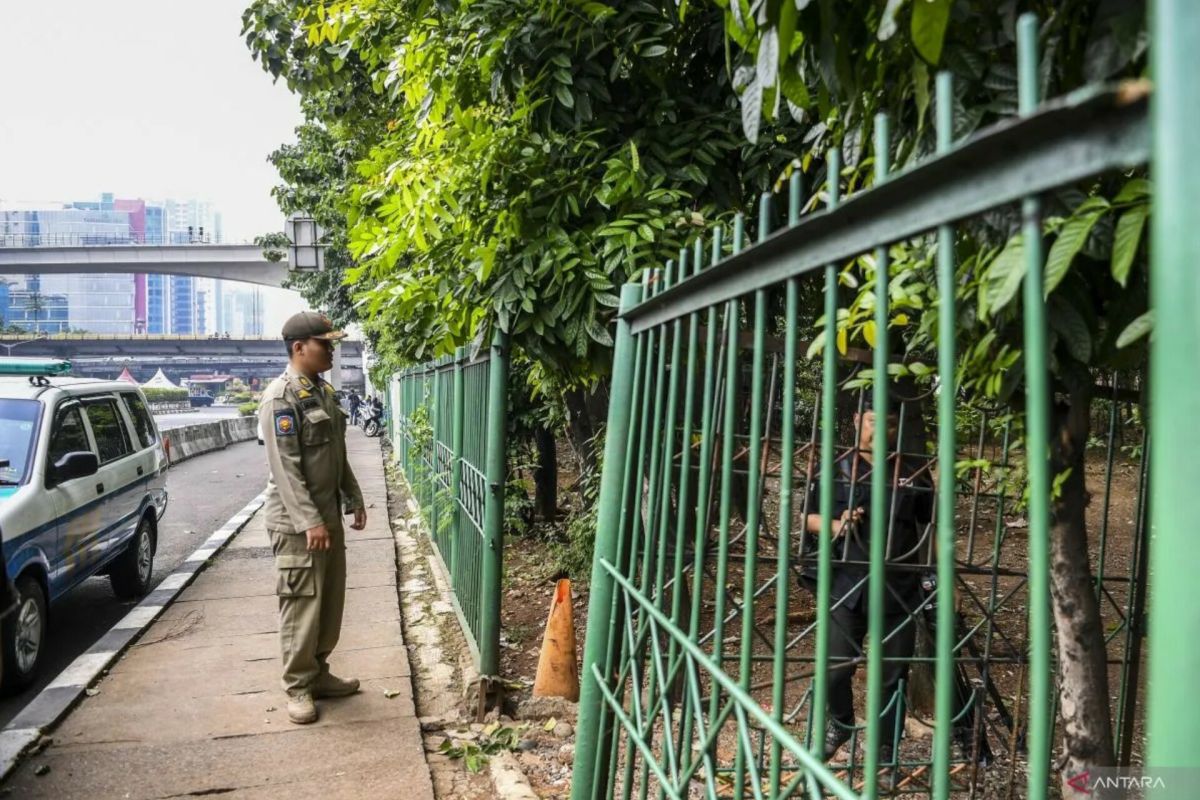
x,y
105,355
51,254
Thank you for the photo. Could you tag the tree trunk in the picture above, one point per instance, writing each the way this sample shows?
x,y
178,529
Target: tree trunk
x,y
587,411
1083,671
545,474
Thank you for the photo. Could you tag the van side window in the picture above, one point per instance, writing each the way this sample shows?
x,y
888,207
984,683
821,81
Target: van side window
x,y
143,425
109,429
68,435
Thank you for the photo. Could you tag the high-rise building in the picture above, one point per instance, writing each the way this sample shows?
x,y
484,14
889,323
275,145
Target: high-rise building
x,y
119,303
239,309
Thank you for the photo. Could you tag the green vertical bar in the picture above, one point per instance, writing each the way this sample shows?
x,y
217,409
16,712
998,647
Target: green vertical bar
x,y
435,527
879,475
728,446
703,479
1037,438
608,521
947,448
787,446
1174,731
493,527
753,502
458,530
816,731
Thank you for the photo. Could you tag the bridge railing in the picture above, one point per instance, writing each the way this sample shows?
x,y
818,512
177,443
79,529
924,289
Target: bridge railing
x,y
109,239
447,426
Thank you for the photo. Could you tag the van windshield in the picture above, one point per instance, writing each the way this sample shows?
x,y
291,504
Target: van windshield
x,y
18,423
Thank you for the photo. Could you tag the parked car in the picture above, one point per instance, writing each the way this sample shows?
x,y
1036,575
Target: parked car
x,y
82,490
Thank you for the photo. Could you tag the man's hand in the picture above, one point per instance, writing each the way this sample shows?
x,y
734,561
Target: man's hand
x,y
360,519
318,538
851,516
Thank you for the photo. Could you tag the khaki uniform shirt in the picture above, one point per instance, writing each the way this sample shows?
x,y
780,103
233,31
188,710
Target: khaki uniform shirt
x,y
304,430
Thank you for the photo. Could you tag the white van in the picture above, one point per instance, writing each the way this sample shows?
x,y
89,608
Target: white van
x,y
82,488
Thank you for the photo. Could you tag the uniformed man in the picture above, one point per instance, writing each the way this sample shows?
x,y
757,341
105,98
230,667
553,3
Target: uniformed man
x,y
311,486
909,503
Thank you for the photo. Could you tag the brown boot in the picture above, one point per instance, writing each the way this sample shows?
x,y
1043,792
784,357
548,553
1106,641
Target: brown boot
x,y
300,708
330,685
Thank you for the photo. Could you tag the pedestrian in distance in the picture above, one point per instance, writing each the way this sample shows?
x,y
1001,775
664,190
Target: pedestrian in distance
x,y
311,487
355,404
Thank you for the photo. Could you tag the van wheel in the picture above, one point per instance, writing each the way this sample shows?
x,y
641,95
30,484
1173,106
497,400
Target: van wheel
x,y
24,635
133,569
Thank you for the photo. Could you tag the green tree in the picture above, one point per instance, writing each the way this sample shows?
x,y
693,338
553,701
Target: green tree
x,y
510,162
832,67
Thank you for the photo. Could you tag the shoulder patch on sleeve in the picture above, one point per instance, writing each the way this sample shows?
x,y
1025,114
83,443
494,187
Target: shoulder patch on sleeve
x,y
285,423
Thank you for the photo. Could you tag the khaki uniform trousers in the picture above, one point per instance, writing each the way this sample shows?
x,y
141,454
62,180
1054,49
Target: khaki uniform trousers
x,y
312,595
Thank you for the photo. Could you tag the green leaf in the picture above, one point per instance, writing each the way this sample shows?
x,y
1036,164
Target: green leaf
x,y
654,51
1136,330
1125,241
920,74
563,93
929,21
1134,189
752,110
1003,277
1071,238
887,20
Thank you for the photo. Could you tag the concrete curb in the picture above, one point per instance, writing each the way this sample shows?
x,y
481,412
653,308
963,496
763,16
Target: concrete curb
x,y
205,437
60,695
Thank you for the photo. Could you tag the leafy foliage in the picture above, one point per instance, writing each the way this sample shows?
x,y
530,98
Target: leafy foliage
x,y
507,162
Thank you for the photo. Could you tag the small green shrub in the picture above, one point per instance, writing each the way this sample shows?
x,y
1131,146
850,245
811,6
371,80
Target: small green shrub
x,y
247,409
160,395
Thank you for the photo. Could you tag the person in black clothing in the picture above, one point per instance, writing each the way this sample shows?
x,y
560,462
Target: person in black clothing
x,y
355,402
910,506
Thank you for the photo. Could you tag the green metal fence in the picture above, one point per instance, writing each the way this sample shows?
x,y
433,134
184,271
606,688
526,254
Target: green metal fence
x,y
710,662
447,430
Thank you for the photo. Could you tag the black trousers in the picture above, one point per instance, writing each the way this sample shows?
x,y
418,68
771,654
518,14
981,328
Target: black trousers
x,y
846,636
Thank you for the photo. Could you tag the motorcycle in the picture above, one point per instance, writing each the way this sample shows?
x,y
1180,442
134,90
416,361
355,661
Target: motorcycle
x,y
370,419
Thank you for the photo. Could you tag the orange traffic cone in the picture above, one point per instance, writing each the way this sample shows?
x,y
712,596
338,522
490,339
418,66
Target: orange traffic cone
x,y
557,673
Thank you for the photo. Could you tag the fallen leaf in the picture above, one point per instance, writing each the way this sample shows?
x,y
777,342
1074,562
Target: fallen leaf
x,y
91,692
550,723
390,693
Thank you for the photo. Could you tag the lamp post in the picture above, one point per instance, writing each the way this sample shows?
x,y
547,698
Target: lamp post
x,y
306,251
8,348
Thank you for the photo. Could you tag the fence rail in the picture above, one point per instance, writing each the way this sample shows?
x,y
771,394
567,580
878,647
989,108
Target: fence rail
x,y
726,618
447,427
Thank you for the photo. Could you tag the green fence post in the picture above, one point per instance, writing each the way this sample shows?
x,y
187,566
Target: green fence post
x,y
456,466
493,526
608,521
1173,730
1037,438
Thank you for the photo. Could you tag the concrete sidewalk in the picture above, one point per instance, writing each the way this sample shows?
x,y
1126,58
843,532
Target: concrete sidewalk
x,y
194,707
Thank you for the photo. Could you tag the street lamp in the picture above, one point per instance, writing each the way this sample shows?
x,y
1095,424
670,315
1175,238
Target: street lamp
x,y
8,348
306,252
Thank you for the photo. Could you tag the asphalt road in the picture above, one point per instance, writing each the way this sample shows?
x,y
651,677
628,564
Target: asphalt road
x,y
204,493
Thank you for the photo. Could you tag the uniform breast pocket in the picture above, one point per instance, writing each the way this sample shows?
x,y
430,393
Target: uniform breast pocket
x,y
317,429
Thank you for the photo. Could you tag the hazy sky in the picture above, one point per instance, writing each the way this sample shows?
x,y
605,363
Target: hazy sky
x,y
143,98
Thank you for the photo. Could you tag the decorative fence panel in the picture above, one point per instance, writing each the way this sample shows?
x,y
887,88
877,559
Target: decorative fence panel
x,y
727,613
448,426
